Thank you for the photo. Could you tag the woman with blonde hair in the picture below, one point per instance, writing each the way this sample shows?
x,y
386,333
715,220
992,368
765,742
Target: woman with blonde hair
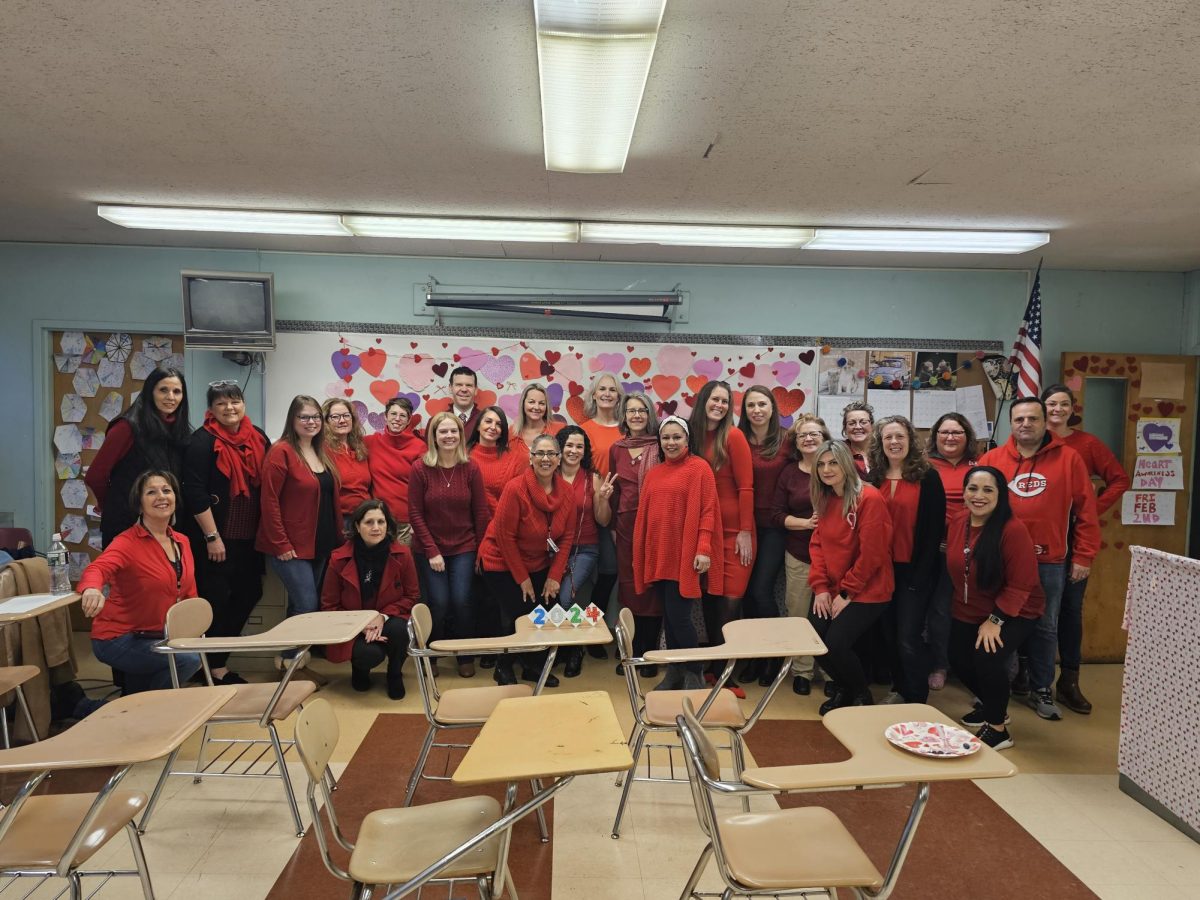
x,y
603,408
347,449
448,511
533,416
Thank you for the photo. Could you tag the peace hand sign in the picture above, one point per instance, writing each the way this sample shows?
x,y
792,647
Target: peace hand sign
x,y
606,486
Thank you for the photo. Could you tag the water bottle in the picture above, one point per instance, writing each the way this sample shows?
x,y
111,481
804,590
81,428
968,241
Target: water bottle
x,y
56,559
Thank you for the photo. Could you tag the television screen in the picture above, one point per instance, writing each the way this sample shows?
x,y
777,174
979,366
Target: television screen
x,y
228,310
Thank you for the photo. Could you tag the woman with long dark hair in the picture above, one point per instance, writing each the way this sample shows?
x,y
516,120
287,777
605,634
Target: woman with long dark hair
x,y
997,602
578,470
152,434
489,447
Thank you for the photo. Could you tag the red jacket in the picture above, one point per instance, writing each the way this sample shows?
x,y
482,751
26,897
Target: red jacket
x,y
854,556
141,583
291,498
516,537
1102,464
1020,595
398,590
678,518
1049,490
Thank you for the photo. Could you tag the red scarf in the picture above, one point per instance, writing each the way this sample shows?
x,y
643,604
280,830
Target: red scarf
x,y
549,503
239,455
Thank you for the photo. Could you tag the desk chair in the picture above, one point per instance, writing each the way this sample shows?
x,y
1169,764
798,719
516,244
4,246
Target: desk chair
x,y
11,679
261,704
784,851
395,845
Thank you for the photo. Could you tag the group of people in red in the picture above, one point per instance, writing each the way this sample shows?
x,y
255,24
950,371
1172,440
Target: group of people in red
x,y
916,557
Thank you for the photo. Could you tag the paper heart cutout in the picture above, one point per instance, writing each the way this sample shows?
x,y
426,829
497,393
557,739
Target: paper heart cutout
x,y
484,397
1081,363
788,402
344,363
633,387
709,368
509,403
530,367
607,362
385,390
337,389
375,421
1157,437
667,408
546,368
664,386
785,372
1165,407
415,370
440,369
640,364
1075,382
373,361
575,409
437,405
747,371
807,357
695,382
553,356
575,389
555,393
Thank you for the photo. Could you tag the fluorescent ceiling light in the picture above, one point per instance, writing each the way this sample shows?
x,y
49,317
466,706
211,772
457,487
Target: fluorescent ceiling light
x,y
230,220
907,240
694,235
593,60
546,231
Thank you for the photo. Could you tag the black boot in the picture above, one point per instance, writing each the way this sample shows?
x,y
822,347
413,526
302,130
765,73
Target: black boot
x,y
574,664
750,671
360,679
837,701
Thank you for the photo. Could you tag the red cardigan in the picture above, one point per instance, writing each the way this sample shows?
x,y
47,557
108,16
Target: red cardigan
x,y
398,590
354,479
1020,595
516,537
678,519
291,498
141,583
854,557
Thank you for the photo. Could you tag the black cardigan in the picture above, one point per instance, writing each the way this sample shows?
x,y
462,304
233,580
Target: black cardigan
x,y
204,485
928,533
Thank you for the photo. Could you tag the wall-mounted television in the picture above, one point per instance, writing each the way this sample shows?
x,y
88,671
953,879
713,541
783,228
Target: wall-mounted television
x,y
228,310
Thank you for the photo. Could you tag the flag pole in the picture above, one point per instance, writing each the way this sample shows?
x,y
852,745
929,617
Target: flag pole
x,y
1011,381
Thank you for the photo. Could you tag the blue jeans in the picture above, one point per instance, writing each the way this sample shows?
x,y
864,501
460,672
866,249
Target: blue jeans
x,y
145,670
302,580
1042,645
584,560
448,595
1070,625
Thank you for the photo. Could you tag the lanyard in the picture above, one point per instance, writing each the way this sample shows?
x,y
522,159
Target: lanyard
x,y
967,554
177,565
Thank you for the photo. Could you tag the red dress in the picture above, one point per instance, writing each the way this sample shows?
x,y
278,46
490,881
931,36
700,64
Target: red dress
x,y
602,437
624,504
735,496
677,520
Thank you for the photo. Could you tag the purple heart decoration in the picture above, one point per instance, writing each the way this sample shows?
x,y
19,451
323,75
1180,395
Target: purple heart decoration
x,y
555,391
1157,436
360,410
786,372
785,421
709,368
414,399
633,387
344,364
377,421
607,362
497,369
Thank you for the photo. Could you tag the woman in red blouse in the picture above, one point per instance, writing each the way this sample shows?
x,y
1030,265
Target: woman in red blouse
x,y
526,548
998,598
373,571
390,455
533,417
676,543
912,489
347,450
448,511
851,573
147,569
1101,464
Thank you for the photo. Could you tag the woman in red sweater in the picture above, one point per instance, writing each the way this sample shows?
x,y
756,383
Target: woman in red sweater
x,y
676,543
373,571
390,455
526,548
147,569
725,449
533,417
347,450
448,510
998,598
300,523
499,463
1101,464
858,418
912,489
851,572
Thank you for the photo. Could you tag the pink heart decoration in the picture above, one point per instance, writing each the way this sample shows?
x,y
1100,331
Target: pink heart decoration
x,y
509,403
673,360
416,373
785,372
607,362
709,368
1075,382
337,389
569,367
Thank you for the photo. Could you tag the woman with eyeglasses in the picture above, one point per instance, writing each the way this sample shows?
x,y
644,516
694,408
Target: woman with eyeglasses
x,y
300,523
448,509
152,433
533,416
222,484
951,450
677,543
391,454
579,472
617,502
347,449
998,598
912,490
851,573
792,510
526,548
858,418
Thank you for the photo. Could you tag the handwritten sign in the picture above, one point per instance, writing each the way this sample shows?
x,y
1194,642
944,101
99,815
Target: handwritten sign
x,y
1158,436
1158,473
1147,508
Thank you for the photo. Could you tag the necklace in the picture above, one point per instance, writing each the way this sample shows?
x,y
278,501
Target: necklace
x,y
449,481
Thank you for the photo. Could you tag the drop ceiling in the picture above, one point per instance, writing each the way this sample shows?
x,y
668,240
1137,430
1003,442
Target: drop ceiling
x,y
1078,118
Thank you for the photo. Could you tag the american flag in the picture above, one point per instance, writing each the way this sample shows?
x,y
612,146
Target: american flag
x,y
1027,351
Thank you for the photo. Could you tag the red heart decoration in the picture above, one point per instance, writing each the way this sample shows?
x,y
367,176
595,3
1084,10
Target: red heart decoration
x,y
1165,407
664,385
383,391
747,371
349,392
1110,362
695,382
730,371
1131,359
457,358
1104,371
1104,545
579,355
413,344
640,364
667,408
575,408
575,389
485,398
1137,383
380,341
628,349
345,351
437,405
531,366
1180,408
1119,544
626,375
1120,370
689,399
373,361
546,368
495,351
553,356
1081,363
1133,417
440,369
788,401
1095,359
808,356
444,345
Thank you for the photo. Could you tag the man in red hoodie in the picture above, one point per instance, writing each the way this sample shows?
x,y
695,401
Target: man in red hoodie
x,y
1049,488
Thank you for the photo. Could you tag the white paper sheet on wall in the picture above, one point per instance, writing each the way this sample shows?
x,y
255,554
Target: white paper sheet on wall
x,y
968,402
72,408
1158,473
1147,508
890,403
111,372
929,405
830,410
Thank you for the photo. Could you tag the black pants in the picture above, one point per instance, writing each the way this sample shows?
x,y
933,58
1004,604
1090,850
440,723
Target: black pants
x,y
841,663
368,654
646,633
759,602
677,620
905,622
232,587
507,593
986,674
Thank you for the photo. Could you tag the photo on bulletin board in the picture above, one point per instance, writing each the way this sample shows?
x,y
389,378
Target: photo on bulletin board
x,y
842,373
889,369
936,370
999,372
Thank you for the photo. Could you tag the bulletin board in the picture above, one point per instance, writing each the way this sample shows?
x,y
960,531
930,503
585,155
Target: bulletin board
x,y
96,377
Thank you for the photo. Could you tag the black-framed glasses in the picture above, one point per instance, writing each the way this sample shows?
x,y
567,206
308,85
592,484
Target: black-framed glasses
x,y
304,417
952,433
545,454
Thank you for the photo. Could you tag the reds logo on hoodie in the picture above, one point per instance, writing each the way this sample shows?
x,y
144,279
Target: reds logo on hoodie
x,y
1028,484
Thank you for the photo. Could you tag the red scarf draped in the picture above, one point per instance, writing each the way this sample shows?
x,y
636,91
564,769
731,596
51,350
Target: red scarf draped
x,y
239,455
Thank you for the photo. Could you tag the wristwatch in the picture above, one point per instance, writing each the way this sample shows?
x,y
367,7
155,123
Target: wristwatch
x,y
996,620
212,538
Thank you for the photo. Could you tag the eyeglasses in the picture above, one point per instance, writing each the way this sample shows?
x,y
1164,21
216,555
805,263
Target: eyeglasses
x,y
952,433
634,411
340,417
218,384
309,419
545,454
810,436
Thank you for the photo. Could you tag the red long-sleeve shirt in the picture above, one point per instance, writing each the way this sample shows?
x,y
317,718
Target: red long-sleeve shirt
x,y
290,503
1102,464
678,519
447,509
735,482
497,471
516,537
766,476
391,458
853,556
398,589
952,475
354,477
793,497
902,497
141,580
1021,592
117,442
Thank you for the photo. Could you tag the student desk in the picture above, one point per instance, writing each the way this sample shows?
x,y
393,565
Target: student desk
x,y
10,615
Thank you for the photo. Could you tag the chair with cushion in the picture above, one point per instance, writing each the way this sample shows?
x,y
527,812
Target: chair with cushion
x,y
254,704
767,853
396,845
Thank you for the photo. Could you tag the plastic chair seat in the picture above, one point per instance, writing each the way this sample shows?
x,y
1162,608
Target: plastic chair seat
x,y
252,699
45,825
394,845
14,676
466,706
663,706
794,847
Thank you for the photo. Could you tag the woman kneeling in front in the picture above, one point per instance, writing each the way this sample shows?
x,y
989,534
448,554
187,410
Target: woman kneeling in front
x,y
373,571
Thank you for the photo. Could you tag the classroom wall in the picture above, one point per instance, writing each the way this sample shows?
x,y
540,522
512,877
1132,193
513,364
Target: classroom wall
x,y
137,289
